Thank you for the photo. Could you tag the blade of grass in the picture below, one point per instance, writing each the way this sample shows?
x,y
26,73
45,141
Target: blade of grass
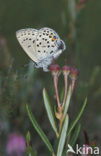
x,y
63,136
39,130
78,117
49,111
75,135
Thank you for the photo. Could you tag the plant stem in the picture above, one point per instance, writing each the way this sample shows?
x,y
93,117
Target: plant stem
x,y
66,87
56,90
73,85
60,126
53,154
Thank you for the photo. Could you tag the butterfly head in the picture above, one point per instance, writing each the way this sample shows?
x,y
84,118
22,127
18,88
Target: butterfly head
x,y
61,45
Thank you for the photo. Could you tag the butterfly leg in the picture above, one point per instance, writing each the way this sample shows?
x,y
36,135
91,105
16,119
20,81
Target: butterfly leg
x,y
45,69
46,63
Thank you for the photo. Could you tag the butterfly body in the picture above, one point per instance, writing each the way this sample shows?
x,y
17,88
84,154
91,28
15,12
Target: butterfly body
x,y
41,45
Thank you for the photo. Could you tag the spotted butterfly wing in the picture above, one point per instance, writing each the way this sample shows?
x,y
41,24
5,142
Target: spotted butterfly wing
x,y
27,38
41,45
45,46
48,46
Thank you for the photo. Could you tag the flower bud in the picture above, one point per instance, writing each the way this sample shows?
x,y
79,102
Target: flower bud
x,y
55,69
74,73
66,70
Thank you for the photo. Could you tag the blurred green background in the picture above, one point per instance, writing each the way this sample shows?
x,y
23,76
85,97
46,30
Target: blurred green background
x,y
20,83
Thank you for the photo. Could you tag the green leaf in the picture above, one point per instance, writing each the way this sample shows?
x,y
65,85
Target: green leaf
x,y
78,117
75,135
30,151
39,130
66,106
63,136
49,111
28,138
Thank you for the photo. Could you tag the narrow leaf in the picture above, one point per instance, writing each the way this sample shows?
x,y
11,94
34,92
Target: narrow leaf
x,y
28,138
30,151
75,135
49,111
78,117
39,130
66,106
63,136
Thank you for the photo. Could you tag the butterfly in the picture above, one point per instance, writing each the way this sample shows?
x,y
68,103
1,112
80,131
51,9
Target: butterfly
x,y
41,45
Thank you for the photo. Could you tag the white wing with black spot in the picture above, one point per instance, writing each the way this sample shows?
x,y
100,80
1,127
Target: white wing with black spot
x,y
41,45
45,47
27,38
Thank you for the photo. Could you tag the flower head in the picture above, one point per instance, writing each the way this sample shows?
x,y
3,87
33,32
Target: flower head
x,y
55,69
74,73
66,70
16,144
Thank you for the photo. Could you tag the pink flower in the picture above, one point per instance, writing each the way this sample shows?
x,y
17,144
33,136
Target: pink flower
x,y
16,144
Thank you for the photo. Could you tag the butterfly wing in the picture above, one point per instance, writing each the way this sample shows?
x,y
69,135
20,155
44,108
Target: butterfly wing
x,y
40,45
45,47
27,39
